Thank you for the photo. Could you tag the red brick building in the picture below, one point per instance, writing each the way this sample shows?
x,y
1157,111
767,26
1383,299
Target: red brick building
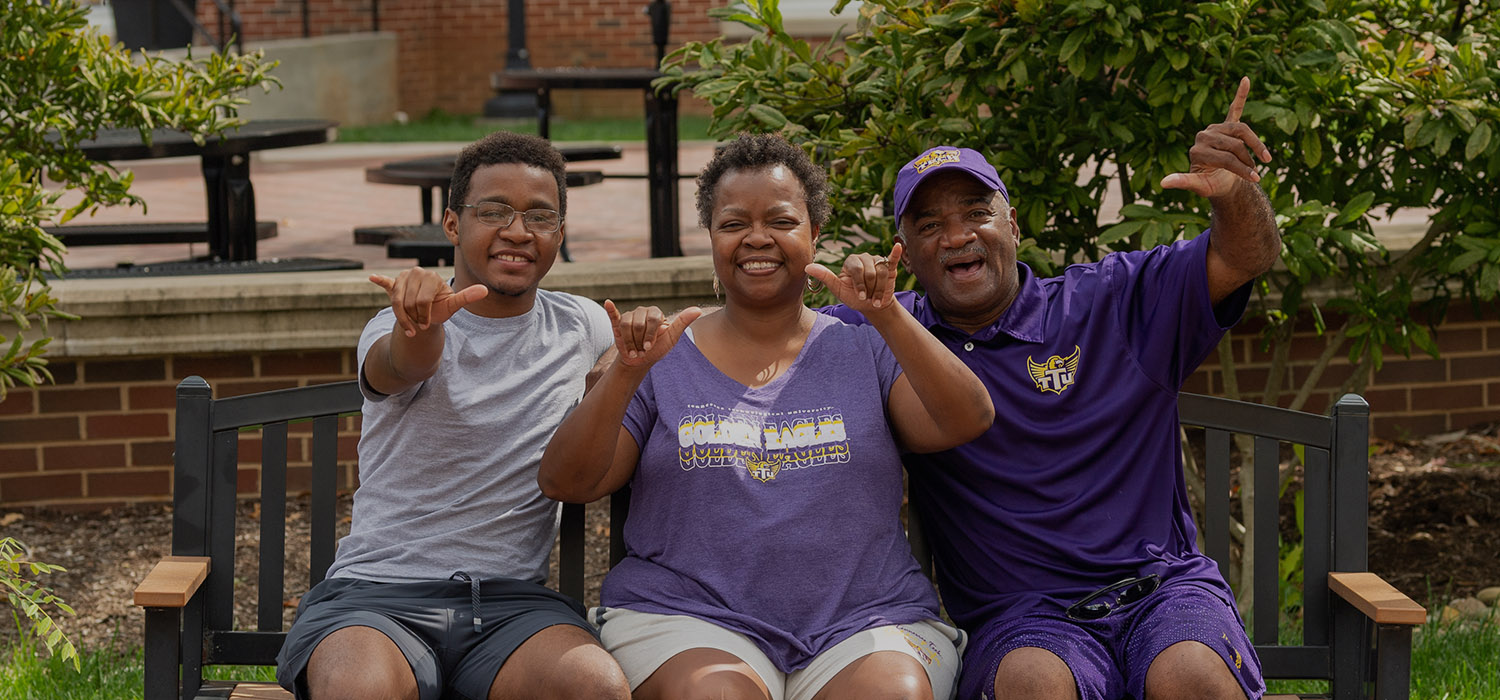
x,y
447,49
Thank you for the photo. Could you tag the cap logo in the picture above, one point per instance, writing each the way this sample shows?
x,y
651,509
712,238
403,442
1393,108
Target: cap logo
x,y
935,158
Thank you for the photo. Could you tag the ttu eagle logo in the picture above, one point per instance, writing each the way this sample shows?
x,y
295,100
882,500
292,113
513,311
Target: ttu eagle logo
x,y
1055,374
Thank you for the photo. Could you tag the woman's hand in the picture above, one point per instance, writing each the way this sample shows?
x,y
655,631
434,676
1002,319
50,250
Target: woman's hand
x,y
645,335
868,282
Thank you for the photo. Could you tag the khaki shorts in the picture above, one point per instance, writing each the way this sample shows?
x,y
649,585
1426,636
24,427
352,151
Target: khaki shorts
x,y
642,642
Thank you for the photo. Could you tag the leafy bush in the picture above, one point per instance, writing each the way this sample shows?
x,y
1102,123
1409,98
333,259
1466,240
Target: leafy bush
x,y
60,82
34,600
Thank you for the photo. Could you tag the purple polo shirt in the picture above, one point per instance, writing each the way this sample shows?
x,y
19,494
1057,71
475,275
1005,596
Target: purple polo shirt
x,y
1078,483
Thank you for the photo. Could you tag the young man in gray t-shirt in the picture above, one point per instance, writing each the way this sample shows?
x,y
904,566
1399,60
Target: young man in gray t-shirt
x,y
438,590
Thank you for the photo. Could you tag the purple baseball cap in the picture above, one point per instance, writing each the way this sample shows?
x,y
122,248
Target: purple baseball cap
x,y
940,158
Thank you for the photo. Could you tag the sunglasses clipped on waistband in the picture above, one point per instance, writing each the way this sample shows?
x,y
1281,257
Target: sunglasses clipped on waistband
x,y
1116,595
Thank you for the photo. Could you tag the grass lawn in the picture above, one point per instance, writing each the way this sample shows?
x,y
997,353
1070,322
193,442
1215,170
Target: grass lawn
x,y
1448,663
449,127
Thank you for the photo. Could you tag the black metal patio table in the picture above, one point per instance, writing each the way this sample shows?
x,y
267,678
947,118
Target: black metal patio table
x,y
231,229
661,131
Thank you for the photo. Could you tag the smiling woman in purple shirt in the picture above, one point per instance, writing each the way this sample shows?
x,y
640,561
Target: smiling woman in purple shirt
x,y
764,552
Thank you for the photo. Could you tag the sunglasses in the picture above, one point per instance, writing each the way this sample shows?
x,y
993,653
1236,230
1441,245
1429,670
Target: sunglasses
x,y
1116,595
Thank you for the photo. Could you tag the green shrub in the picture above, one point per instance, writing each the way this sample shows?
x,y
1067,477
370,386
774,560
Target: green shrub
x,y
60,83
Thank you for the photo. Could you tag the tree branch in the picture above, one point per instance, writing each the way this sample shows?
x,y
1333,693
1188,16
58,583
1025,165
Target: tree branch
x,y
1335,342
1227,368
1282,348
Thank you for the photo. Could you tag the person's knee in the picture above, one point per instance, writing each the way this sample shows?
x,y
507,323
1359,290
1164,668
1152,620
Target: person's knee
x,y
703,674
561,661
716,685
1191,670
1032,672
884,675
359,662
589,672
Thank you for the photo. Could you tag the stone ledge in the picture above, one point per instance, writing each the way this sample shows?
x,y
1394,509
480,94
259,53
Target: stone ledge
x,y
306,310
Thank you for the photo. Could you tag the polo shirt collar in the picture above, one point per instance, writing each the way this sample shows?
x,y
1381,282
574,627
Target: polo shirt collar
x,y
1025,320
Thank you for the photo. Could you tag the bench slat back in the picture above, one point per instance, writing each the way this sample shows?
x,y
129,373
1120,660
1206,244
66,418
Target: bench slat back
x,y
1332,450
209,434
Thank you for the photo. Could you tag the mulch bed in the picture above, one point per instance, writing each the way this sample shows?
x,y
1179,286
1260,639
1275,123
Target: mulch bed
x,y
1434,515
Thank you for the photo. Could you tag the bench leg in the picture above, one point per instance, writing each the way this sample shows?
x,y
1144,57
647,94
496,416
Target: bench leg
x,y
162,627
1392,662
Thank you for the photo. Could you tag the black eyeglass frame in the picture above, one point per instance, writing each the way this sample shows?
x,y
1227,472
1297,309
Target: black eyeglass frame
x,y
513,212
1126,591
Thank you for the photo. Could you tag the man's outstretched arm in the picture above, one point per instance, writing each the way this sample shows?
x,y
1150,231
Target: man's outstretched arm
x,y
1245,241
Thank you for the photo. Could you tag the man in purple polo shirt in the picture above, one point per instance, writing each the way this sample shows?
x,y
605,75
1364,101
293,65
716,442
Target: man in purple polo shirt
x,y
1062,537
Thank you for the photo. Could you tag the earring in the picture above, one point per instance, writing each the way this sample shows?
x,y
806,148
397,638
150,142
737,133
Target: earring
x,y
814,285
716,286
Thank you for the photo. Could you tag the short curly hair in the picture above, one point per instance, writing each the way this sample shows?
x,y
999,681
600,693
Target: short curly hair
x,y
754,151
507,147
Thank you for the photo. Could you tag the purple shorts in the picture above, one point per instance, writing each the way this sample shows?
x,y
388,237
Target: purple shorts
x,y
1109,657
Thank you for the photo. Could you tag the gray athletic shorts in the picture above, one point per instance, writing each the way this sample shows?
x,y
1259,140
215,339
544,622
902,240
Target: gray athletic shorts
x,y
432,622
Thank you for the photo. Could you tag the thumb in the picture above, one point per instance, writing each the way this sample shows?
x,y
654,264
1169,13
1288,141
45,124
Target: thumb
x,y
453,302
1186,181
895,256
822,274
681,322
471,294
383,282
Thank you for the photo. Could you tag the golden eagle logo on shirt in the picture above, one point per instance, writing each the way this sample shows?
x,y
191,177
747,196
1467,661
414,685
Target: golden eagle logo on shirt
x,y
1055,374
763,469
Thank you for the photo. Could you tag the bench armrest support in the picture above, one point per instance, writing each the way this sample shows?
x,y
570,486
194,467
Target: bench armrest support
x,y
172,582
1378,600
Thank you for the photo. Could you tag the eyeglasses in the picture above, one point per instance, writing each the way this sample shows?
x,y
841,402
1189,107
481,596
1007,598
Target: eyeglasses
x,y
1116,595
539,222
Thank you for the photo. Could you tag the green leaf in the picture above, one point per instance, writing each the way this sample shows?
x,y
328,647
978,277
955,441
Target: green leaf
x,y
955,124
765,114
1444,139
955,52
1479,140
1355,208
1072,43
1312,148
1119,232
1139,211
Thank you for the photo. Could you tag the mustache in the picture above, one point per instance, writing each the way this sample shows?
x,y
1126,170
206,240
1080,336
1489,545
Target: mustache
x,y
970,249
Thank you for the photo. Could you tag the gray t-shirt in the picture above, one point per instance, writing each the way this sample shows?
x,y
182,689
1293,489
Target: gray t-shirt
x,y
447,469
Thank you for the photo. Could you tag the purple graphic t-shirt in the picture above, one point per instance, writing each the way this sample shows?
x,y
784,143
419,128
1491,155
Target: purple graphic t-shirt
x,y
771,511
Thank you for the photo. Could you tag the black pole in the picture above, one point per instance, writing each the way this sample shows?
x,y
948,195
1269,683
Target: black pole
x,y
514,104
374,15
660,12
306,20
516,55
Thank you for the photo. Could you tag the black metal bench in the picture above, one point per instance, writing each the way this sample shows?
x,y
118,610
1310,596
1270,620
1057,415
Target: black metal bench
x,y
143,233
1356,630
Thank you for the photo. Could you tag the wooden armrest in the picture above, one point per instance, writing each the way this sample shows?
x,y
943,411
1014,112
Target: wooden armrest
x,y
171,582
1378,600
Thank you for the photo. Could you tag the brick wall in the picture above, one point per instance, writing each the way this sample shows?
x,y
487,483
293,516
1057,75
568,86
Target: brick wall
x,y
103,433
448,48
1408,397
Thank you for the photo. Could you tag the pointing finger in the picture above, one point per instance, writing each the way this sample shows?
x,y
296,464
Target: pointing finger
x,y
1237,106
383,282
